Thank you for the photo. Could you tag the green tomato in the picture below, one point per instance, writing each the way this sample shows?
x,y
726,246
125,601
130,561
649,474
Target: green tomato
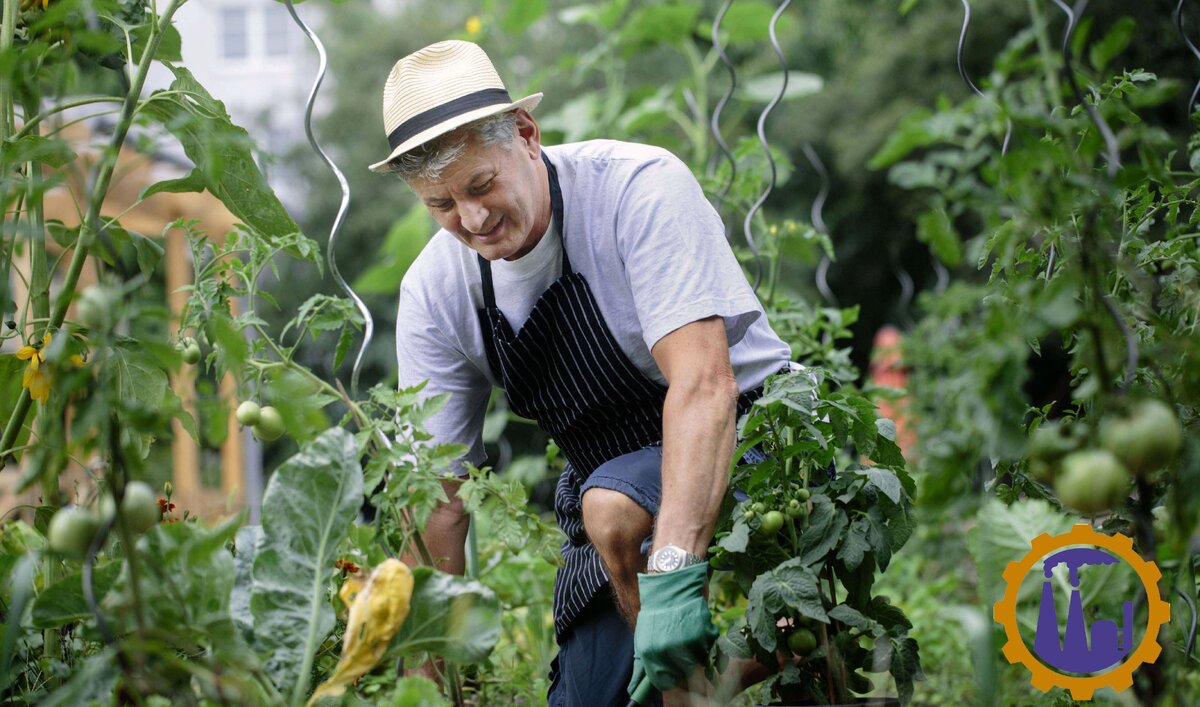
x,y
1051,442
803,495
71,531
772,521
191,355
758,507
802,642
749,515
270,425
1092,481
796,509
249,413
1145,440
94,308
140,507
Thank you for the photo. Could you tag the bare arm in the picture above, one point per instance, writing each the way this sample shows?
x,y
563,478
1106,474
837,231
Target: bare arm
x,y
699,421
446,534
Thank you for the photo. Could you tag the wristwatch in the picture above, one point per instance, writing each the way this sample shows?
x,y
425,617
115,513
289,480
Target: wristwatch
x,y
671,557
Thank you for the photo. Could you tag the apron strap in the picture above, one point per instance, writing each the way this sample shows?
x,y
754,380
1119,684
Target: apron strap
x,y
556,206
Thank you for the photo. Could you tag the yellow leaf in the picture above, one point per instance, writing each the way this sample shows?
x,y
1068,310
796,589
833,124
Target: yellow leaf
x,y
376,613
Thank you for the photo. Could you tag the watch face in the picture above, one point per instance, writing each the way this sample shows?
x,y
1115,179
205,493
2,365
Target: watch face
x,y
667,559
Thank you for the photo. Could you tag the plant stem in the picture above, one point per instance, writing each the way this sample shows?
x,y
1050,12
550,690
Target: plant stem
x,y
33,122
87,230
7,36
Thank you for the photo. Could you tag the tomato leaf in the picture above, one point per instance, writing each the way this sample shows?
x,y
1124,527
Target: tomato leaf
x,y
790,585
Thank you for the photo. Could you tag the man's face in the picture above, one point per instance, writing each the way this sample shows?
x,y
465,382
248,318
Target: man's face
x,y
493,200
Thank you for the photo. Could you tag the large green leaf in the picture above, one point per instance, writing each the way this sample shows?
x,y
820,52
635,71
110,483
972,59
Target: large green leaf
x,y
451,616
223,153
63,602
246,546
136,375
307,510
403,243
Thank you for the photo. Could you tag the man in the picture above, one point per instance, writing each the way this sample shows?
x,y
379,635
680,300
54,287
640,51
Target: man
x,y
593,283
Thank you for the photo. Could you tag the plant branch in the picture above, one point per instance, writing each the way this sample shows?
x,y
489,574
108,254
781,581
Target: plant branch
x,y
89,227
33,122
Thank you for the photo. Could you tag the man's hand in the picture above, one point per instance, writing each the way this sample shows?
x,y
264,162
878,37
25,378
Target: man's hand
x,y
674,627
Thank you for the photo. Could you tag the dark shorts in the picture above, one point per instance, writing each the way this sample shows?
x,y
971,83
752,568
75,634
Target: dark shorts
x,y
595,657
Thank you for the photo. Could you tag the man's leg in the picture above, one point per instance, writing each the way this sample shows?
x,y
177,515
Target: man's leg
x,y
617,525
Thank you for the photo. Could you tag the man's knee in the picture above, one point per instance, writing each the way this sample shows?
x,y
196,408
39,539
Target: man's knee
x,y
615,523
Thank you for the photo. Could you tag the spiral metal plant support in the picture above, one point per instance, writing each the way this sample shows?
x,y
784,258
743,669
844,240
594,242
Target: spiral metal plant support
x,y
1114,165
369,322
962,71
1110,140
817,216
89,591
1191,105
1191,634
943,275
714,124
762,140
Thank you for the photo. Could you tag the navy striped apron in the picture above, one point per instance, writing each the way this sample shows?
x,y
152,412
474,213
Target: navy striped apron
x,y
565,371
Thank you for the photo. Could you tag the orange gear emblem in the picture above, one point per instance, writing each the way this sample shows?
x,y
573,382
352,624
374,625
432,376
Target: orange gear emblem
x,y
1119,678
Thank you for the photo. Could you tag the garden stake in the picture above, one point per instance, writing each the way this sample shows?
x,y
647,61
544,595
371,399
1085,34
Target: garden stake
x,y
818,222
715,123
1191,105
369,322
1191,636
762,140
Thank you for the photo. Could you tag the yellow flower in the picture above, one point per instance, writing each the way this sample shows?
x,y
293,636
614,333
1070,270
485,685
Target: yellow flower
x,y
36,379
34,354
474,25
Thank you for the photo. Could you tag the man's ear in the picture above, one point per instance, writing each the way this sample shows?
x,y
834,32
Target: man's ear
x,y
527,130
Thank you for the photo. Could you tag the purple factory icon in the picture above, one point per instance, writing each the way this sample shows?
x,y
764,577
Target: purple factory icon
x,y
1072,652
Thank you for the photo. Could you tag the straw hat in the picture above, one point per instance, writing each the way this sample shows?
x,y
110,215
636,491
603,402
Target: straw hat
x,y
439,88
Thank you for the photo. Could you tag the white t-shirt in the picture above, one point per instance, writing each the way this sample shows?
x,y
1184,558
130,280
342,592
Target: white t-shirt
x,y
643,235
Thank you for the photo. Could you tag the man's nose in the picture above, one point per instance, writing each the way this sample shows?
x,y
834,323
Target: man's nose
x,y
474,215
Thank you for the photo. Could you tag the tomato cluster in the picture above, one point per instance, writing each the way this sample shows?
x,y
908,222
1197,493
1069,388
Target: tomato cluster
x,y
73,528
266,421
1093,479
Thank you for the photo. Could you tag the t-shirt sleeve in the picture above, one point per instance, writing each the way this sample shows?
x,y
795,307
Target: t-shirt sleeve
x,y
423,352
680,267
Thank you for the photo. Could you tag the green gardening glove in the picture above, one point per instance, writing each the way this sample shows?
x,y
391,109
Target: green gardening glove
x,y
674,627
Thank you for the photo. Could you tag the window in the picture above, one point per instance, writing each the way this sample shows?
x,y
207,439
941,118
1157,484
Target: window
x,y
234,35
278,27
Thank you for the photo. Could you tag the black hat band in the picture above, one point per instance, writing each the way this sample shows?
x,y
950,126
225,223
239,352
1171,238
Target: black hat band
x,y
438,114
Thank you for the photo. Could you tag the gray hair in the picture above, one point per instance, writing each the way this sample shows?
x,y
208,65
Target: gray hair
x,y
427,161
